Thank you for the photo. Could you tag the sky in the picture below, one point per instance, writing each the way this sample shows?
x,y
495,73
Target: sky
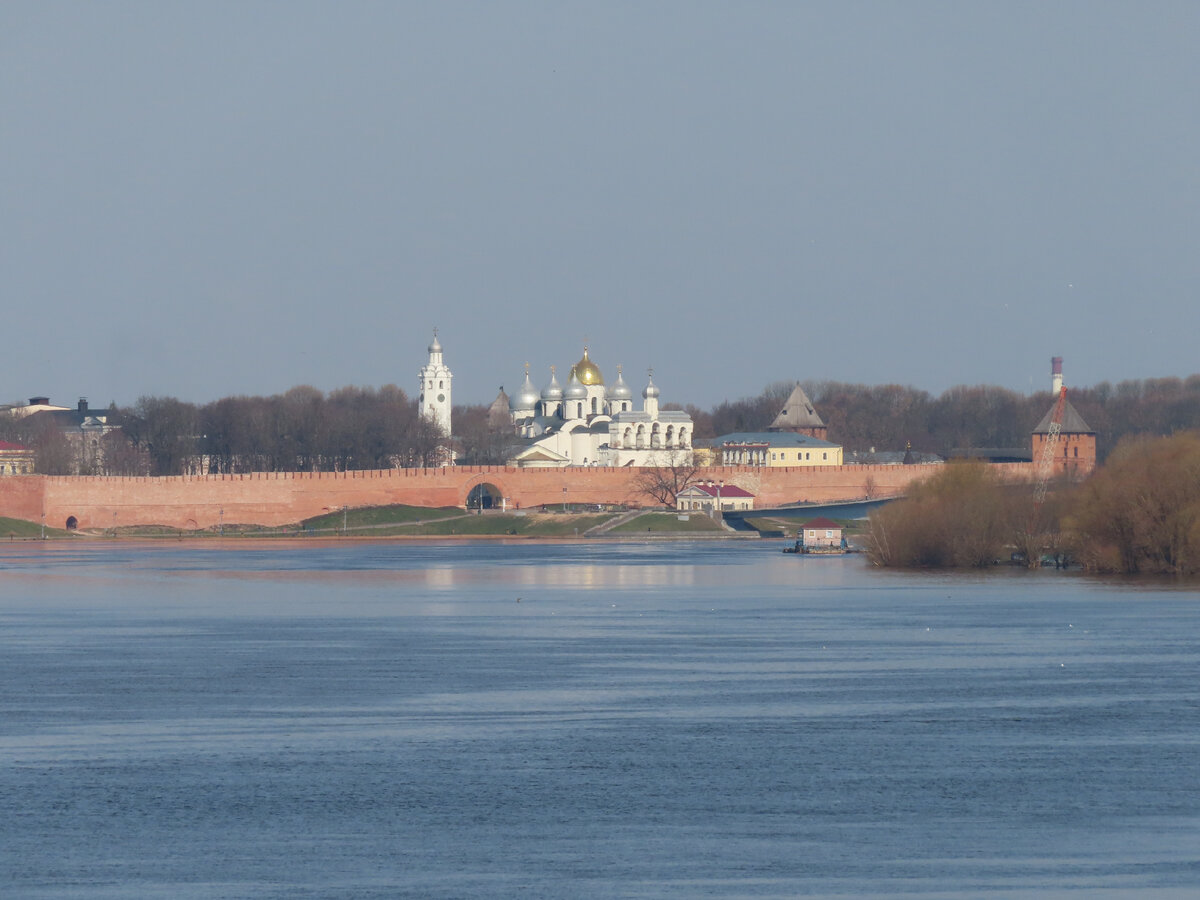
x,y
216,198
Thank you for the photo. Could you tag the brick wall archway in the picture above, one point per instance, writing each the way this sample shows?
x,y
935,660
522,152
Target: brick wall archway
x,y
488,489
485,495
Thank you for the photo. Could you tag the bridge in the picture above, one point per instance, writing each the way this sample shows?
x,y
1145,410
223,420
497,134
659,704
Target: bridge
x,y
849,509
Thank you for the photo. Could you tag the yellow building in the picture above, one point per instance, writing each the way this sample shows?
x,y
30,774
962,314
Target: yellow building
x,y
776,449
15,459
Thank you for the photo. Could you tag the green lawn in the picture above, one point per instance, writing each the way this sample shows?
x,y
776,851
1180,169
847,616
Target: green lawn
x,y
664,522
393,521
499,523
373,519
19,528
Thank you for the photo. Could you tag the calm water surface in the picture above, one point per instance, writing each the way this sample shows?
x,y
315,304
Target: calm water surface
x,y
586,720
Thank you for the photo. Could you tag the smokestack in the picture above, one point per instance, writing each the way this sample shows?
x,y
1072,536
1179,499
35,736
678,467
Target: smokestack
x,y
1056,375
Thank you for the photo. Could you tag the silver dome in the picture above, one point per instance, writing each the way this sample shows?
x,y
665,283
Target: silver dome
x,y
553,391
527,397
575,389
620,390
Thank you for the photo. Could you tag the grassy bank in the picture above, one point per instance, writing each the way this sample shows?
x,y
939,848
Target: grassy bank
x,y
407,521
19,529
662,522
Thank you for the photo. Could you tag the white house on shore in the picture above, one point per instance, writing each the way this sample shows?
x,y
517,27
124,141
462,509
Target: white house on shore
x,y
710,496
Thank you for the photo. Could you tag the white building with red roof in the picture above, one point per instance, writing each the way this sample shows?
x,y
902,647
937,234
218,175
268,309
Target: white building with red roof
x,y
709,496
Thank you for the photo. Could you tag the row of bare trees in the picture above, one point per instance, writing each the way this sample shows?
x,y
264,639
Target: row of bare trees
x,y
355,428
1139,514
891,416
302,430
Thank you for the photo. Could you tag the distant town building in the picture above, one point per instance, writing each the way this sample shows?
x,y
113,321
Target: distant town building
x,y
83,428
766,448
35,405
15,459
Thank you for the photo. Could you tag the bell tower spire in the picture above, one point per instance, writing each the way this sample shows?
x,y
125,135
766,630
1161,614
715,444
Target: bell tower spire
x,y
434,388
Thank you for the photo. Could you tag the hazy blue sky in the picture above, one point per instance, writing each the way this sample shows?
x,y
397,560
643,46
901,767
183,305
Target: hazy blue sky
x,y
202,199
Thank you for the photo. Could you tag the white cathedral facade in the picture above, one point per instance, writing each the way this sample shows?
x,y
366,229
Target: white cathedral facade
x,y
589,423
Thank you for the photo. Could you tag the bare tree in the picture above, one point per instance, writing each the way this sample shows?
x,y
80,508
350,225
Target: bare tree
x,y
121,457
481,442
664,482
53,453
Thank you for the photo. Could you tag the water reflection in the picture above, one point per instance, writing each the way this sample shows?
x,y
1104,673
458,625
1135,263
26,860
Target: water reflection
x,y
585,719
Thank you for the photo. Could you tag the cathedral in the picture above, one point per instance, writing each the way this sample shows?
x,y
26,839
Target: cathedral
x,y
589,423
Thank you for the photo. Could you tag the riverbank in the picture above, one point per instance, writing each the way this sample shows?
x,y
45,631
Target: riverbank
x,y
420,524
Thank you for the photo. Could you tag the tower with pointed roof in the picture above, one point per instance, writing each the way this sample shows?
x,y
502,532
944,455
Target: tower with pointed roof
x,y
799,417
1076,450
434,388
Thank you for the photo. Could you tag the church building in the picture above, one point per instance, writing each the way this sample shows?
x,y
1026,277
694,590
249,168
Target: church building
x,y
589,423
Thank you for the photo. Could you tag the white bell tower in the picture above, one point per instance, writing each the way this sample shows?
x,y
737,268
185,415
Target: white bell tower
x,y
434,391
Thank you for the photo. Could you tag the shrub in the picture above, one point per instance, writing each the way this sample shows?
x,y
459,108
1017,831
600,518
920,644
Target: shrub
x,y
961,517
1141,511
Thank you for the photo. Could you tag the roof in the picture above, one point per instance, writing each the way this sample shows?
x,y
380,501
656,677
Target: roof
x,y
821,522
9,445
539,453
993,454
1072,421
666,415
720,490
499,412
894,457
798,412
772,439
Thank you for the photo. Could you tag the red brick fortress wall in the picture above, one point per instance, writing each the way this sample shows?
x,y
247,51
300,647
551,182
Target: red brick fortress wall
x,y
272,499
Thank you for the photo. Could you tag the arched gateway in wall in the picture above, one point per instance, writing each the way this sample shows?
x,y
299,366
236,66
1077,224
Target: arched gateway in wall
x,y
485,495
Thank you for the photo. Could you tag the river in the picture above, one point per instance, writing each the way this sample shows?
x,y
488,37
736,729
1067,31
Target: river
x,y
586,719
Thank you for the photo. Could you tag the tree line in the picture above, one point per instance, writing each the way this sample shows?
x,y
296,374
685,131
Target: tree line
x,y
890,416
305,429
302,430
1138,514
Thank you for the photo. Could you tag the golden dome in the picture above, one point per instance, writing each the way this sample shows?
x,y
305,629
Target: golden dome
x,y
587,371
